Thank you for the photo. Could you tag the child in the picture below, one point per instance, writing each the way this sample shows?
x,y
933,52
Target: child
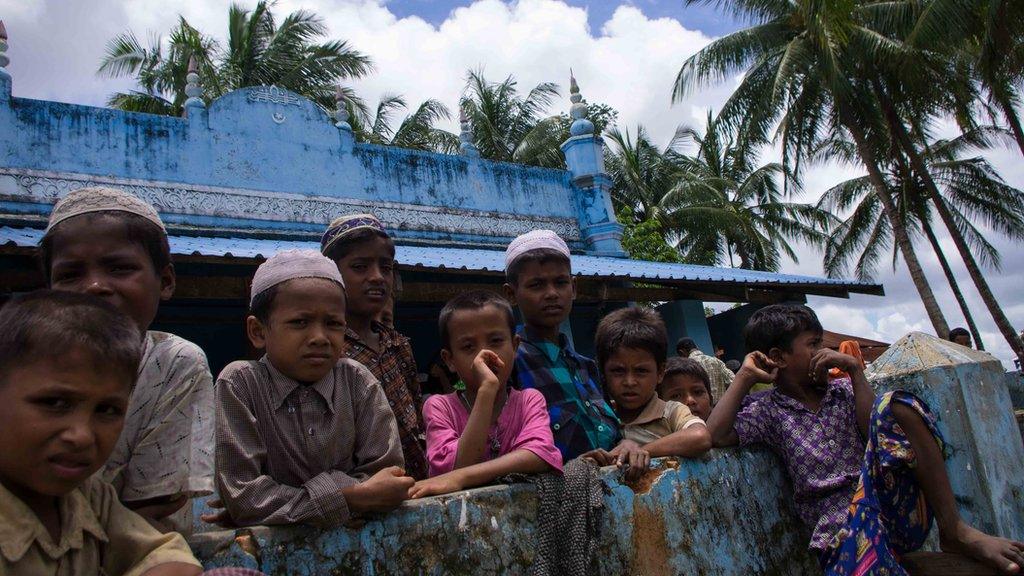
x,y
67,364
108,243
868,473
686,381
365,255
489,430
631,348
540,282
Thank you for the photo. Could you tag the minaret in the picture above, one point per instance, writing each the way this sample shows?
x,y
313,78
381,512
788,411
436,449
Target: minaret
x,y
348,138
466,145
195,105
5,77
584,156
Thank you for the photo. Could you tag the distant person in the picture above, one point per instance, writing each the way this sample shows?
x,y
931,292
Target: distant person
x,y
719,375
686,381
850,348
960,336
867,472
719,352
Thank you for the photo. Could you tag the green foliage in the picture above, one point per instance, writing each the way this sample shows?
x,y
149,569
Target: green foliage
x,y
644,240
260,51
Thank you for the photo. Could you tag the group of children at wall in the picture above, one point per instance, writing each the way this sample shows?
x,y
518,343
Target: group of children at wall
x,y
111,428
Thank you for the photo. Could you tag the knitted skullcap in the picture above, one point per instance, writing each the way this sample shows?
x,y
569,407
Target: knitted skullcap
x,y
534,240
343,226
291,264
101,199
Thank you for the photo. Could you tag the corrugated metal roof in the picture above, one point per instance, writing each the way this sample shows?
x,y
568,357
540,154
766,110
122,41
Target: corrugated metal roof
x,y
481,260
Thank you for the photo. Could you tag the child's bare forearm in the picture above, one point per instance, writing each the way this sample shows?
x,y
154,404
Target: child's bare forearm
x,y
863,399
721,423
689,442
473,441
516,462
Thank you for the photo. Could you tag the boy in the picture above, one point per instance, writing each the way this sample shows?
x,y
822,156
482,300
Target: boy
x,y
365,255
868,473
303,437
540,282
67,364
632,345
110,244
489,430
686,381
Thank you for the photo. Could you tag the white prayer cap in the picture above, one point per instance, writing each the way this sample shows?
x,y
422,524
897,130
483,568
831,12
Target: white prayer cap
x,y
291,264
534,240
101,199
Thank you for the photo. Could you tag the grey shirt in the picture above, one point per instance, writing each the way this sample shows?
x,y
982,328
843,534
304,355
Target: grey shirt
x,y
285,450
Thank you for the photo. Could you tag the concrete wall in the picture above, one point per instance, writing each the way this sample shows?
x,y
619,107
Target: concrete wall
x,y
263,160
727,513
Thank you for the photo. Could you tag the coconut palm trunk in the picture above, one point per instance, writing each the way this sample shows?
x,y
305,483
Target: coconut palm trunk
x,y
953,284
918,165
899,231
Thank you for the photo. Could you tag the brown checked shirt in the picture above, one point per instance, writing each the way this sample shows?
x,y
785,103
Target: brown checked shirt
x,y
285,450
395,368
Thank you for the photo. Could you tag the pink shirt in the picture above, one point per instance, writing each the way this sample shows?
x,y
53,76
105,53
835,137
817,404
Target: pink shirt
x,y
522,425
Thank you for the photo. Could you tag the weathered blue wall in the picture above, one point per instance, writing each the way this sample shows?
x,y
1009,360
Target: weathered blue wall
x,y
686,318
727,513
266,160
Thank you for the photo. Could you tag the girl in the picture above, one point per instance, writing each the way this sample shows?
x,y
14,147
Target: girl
x,y
489,430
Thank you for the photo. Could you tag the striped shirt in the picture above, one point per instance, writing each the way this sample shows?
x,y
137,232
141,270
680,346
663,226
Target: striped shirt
x,y
581,419
285,450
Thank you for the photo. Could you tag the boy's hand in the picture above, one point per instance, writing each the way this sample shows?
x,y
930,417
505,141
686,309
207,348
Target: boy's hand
x,y
382,492
443,484
757,368
601,456
220,517
486,365
827,358
632,459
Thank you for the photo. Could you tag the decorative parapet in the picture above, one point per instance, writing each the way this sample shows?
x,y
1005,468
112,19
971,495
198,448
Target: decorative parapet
x,y
195,104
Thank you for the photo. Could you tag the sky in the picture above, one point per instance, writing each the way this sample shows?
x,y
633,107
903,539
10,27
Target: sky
x,y
625,54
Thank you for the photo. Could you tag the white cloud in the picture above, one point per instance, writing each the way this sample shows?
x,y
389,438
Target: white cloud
x,y
630,63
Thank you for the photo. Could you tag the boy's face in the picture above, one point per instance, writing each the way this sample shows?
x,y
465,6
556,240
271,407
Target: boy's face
x,y
544,293
469,332
631,376
92,254
61,419
690,391
794,365
368,271
305,334
963,340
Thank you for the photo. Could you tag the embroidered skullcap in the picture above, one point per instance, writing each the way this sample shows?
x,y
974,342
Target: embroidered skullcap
x,y
291,264
345,225
101,199
534,240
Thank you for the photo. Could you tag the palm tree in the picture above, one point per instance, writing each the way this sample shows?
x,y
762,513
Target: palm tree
x,y
505,124
726,207
259,52
417,131
803,73
971,191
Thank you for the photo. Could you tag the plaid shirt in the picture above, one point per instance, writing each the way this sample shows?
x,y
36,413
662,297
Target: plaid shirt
x,y
395,367
719,376
581,419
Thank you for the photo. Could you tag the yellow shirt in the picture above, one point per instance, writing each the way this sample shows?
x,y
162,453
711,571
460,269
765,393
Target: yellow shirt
x,y
659,419
98,536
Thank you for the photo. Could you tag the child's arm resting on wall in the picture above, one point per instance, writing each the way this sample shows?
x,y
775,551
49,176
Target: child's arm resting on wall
x,y
518,461
757,368
690,442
